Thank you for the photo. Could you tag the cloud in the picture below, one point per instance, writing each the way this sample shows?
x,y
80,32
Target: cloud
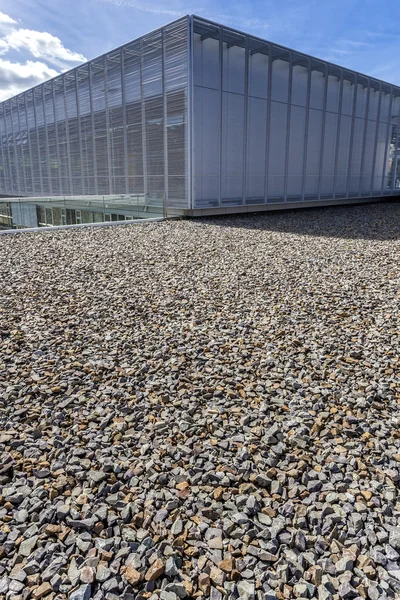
x,y
234,20
6,20
16,77
148,8
40,44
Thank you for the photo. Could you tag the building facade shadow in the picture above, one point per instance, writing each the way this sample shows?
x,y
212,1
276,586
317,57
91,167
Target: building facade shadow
x,y
378,221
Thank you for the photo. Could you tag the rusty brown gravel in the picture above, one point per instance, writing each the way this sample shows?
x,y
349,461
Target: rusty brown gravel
x,y
202,409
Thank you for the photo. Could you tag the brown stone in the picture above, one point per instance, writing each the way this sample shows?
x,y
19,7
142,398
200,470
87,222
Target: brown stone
x,y
132,575
218,493
52,529
155,571
188,585
204,583
217,576
42,590
227,565
182,486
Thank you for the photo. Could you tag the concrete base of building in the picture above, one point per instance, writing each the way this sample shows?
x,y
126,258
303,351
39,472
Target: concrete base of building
x,y
276,206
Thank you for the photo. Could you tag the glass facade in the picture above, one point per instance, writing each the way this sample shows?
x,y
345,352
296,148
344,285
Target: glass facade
x,y
199,116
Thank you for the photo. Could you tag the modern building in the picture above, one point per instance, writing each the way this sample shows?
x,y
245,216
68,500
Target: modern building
x,y
206,119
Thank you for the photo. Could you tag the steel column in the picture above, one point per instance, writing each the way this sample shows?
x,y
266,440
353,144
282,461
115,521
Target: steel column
x,y
165,117
96,183
376,139
56,136
305,148
109,157
289,112
323,127
246,118
396,149
5,162
15,150
338,126
364,139
353,119
268,133
124,121
190,116
21,146
221,81
47,142
37,142
29,141
388,130
144,132
71,187
78,120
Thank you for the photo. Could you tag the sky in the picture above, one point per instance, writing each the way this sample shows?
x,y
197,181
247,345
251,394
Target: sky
x,y
41,38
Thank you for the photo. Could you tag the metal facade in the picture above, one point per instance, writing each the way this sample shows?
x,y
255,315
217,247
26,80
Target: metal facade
x,y
116,125
204,117
274,126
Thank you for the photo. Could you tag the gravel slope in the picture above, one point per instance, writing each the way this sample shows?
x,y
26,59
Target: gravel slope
x,y
205,408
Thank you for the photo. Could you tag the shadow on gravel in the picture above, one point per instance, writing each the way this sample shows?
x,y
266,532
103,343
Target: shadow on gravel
x,y
378,221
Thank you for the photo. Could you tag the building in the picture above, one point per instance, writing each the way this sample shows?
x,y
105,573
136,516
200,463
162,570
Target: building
x,y
204,119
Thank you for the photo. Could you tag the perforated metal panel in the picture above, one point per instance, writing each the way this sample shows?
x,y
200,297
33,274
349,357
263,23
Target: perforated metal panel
x,y
272,125
116,125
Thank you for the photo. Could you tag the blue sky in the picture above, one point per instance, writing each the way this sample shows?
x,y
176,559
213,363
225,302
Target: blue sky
x,y
39,38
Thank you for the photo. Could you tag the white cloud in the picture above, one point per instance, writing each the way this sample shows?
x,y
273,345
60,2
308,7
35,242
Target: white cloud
x,y
242,21
17,77
154,9
6,20
40,44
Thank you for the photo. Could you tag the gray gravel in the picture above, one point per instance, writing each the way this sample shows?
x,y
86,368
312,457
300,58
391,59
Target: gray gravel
x,y
202,408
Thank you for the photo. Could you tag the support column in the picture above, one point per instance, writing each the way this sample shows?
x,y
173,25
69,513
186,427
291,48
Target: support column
x,y
388,134
221,81
29,141
246,119
353,119
16,166
71,187
4,161
21,145
376,139
305,148
144,132
78,120
124,120
37,143
339,123
190,116
364,139
323,127
56,136
96,183
289,112
396,152
268,123
47,143
165,118
109,158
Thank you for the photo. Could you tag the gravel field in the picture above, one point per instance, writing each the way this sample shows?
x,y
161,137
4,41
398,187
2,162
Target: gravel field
x,y
202,409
